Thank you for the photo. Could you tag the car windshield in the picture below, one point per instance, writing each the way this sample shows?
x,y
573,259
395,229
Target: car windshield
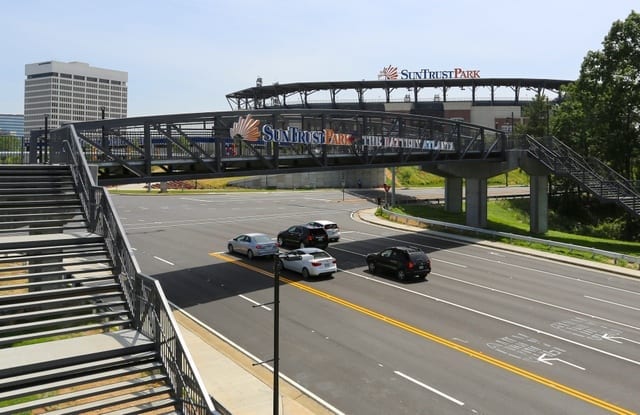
x,y
262,239
331,226
320,255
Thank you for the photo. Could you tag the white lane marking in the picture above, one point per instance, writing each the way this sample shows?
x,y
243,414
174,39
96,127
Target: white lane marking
x,y
613,339
364,255
450,263
163,260
553,274
326,404
432,389
254,302
496,254
533,300
611,302
216,220
547,360
504,320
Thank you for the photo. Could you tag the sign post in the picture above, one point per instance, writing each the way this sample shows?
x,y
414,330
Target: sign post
x,y
386,192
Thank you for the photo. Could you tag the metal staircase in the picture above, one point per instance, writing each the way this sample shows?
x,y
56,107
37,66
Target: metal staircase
x,y
71,340
591,174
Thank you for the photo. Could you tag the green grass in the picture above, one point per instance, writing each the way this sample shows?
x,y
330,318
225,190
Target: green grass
x,y
414,176
505,216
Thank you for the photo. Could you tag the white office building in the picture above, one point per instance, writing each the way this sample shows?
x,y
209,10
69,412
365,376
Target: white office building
x,y
64,92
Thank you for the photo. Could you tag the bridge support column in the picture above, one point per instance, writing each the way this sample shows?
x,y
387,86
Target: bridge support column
x,y
476,197
453,194
539,204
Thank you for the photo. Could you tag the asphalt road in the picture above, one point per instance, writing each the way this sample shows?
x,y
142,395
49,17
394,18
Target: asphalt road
x,y
490,332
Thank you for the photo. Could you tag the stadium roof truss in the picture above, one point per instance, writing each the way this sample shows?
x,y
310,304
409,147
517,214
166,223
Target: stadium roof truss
x,y
284,95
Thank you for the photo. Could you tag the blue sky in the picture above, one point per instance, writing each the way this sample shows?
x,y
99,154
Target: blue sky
x,y
185,55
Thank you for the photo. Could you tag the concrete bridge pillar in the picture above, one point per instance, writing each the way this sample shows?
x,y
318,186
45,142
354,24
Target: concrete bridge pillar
x,y
476,197
539,207
453,194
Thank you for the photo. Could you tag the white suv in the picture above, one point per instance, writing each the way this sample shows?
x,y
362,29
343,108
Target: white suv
x,y
332,229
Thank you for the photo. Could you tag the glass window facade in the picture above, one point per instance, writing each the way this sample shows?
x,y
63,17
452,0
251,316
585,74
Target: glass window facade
x,y
12,124
72,92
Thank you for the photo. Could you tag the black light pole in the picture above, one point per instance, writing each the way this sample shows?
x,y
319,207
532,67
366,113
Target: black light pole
x,y
276,332
43,151
512,124
104,136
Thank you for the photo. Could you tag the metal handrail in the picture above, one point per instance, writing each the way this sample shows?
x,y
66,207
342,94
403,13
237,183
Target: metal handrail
x,y
562,160
149,308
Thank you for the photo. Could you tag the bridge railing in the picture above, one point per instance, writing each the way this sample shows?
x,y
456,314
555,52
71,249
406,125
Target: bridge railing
x,y
149,307
257,141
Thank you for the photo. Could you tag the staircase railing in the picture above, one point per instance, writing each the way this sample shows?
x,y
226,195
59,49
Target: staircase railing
x,y
591,174
149,307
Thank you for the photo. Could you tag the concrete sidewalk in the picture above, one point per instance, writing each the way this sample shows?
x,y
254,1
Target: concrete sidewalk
x,y
234,382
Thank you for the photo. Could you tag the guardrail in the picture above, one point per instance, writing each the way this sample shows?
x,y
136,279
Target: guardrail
x,y
421,222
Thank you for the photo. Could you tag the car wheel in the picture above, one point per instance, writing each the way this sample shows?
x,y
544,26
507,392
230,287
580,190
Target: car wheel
x,y
372,267
230,248
305,273
250,254
401,275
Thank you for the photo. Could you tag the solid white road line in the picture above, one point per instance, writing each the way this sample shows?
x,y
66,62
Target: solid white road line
x,y
164,260
432,389
257,304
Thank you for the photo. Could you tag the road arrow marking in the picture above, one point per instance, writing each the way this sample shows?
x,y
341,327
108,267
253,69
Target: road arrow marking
x,y
547,361
613,339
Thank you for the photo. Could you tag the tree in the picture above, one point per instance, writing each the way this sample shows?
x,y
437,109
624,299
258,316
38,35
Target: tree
x,y
600,113
537,117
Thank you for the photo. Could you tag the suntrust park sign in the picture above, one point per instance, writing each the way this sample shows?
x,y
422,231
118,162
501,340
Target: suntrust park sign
x,y
391,73
250,130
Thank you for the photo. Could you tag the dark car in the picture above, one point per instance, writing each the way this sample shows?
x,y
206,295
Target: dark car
x,y
302,236
401,261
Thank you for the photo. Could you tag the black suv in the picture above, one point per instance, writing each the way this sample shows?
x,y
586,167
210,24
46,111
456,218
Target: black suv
x,y
301,236
402,261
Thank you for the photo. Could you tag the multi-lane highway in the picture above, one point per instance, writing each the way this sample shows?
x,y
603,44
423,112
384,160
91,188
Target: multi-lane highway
x,y
490,332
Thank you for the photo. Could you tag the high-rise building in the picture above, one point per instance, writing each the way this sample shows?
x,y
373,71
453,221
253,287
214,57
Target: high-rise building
x,y
64,92
12,124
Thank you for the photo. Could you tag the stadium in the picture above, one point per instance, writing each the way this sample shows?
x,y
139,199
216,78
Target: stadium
x,y
458,94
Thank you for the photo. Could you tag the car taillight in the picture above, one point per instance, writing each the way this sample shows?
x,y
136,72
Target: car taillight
x,y
410,265
316,264
310,238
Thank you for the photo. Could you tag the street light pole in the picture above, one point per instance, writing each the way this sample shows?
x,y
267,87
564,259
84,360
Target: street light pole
x,y
43,154
276,333
104,142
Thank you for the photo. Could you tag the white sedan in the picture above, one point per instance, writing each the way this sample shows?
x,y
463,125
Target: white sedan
x,y
310,262
253,245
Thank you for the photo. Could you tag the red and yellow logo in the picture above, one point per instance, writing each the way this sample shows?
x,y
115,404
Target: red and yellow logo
x,y
388,72
247,129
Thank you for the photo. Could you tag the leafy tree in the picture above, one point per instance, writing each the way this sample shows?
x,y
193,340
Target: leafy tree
x,y
536,114
600,114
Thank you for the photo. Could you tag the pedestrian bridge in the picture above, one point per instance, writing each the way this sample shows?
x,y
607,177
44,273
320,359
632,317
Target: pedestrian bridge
x,y
244,143
289,141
